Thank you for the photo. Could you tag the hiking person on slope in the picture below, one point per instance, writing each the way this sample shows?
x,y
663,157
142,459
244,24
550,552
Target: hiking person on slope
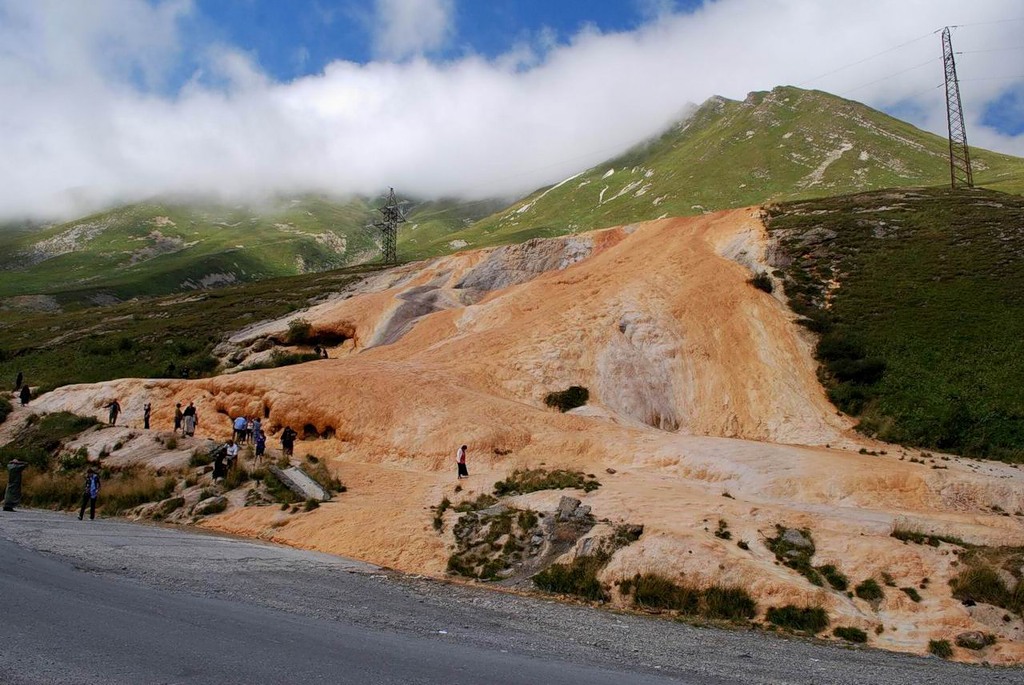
x,y
115,409
26,395
460,459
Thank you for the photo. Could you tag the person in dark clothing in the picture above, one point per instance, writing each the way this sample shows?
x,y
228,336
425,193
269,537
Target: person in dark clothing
x,y
115,409
460,459
288,441
219,469
90,493
12,496
190,419
26,394
261,445
146,411
18,383
178,416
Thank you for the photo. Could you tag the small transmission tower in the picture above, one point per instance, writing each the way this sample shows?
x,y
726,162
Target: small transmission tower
x,y
391,216
959,154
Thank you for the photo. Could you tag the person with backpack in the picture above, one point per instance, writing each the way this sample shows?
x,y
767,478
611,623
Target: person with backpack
x,y
91,492
288,441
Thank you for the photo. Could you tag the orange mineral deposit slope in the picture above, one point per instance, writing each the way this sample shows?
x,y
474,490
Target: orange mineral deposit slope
x,y
704,406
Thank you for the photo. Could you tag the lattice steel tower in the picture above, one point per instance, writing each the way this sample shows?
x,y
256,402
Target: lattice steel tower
x,y
959,153
391,216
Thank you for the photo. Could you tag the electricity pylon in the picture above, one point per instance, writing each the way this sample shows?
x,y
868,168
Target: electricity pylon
x,y
391,216
959,153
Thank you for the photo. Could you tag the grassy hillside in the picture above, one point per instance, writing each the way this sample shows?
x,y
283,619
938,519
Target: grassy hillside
x,y
150,338
786,144
159,248
919,299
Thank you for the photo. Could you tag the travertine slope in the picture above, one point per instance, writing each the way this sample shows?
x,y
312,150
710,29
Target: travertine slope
x,y
701,386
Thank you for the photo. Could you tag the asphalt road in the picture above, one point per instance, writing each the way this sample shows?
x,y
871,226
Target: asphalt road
x,y
114,602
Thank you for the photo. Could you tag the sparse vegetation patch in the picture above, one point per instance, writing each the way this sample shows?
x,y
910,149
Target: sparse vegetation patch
x,y
651,590
522,481
809,620
564,400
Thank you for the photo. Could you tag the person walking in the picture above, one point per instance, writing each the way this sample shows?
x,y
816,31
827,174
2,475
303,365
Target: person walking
x,y
239,428
12,496
219,472
288,441
19,381
261,446
26,395
115,409
178,416
189,420
146,411
460,459
90,493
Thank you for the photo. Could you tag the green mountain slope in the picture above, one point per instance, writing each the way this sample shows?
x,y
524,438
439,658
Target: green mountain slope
x,y
919,300
786,144
158,248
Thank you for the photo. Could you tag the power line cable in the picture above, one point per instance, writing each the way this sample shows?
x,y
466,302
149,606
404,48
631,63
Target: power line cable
x,y
866,59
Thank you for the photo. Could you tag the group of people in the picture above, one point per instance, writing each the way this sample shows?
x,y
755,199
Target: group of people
x,y
185,419
249,431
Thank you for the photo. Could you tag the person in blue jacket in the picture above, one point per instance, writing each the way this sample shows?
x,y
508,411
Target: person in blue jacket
x,y
90,493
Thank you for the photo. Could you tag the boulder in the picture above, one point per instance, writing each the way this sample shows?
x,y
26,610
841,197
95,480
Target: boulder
x,y
566,507
794,538
211,505
973,639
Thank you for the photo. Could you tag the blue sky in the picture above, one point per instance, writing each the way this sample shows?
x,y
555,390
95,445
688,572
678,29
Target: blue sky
x,y
110,101
291,38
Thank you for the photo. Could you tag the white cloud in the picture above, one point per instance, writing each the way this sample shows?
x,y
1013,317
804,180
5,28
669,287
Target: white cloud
x,y
411,27
82,126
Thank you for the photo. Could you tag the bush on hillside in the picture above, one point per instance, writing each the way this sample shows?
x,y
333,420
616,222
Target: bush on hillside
x,y
564,400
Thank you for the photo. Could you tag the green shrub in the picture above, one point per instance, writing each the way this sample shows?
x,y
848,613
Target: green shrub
x,y
578,578
795,557
869,590
981,583
762,281
74,461
439,511
278,491
483,501
906,533
728,603
834,576
200,458
311,504
522,481
988,639
5,409
940,648
723,530
912,593
801,619
654,591
172,443
851,634
564,400
318,471
236,477
300,332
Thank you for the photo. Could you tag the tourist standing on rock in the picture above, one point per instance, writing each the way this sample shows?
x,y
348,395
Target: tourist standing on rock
x,y
147,410
261,445
239,428
219,472
91,492
231,454
20,380
189,420
178,416
12,496
115,409
26,395
460,459
288,441
249,428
